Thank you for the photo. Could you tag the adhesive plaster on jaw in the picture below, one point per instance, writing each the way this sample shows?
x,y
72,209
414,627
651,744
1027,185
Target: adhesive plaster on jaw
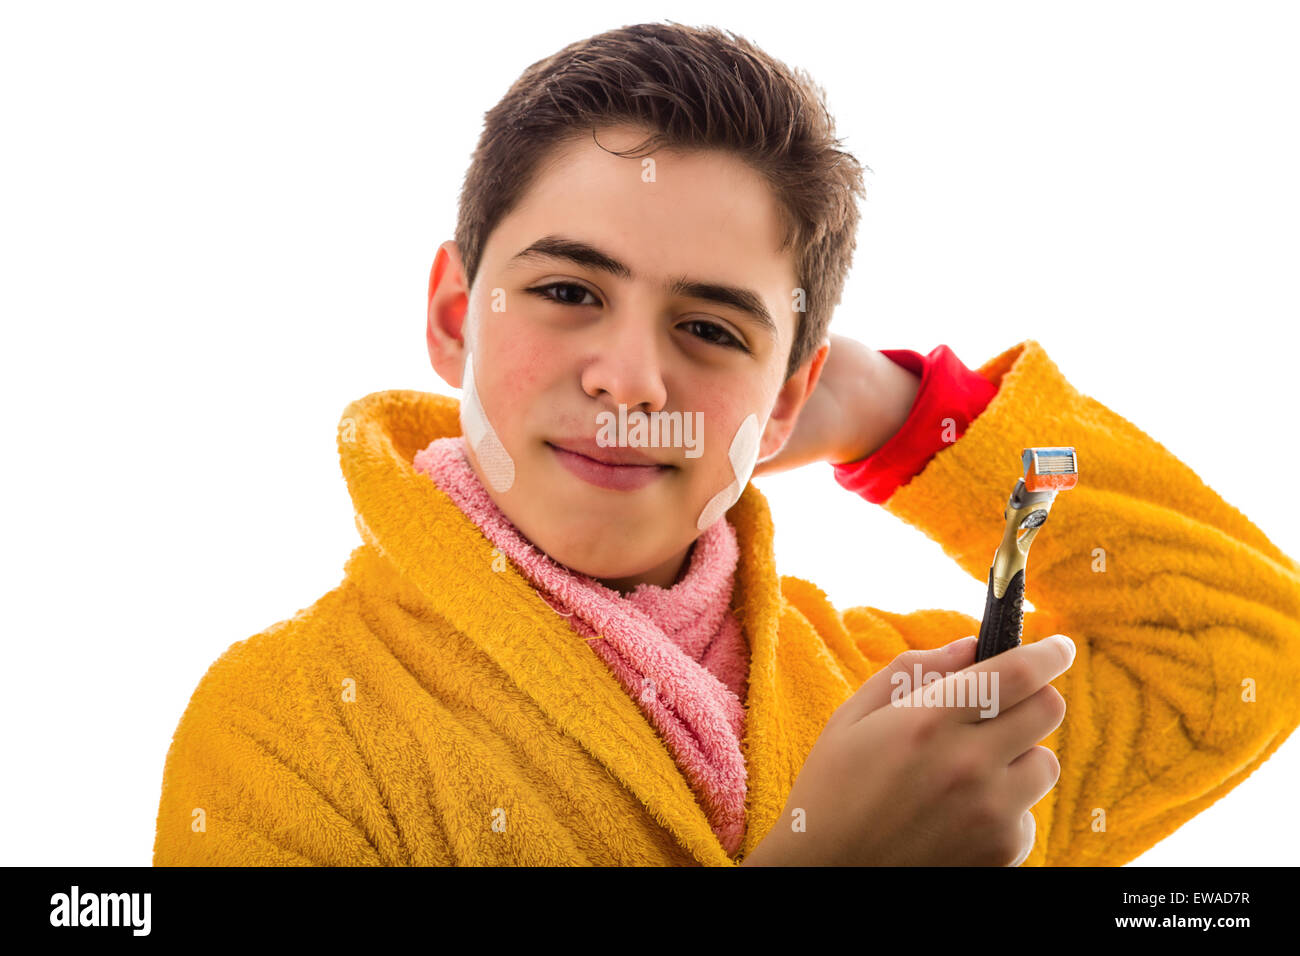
x,y
497,465
744,455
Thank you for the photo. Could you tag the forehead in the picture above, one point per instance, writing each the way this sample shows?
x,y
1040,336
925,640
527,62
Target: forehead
x,y
706,215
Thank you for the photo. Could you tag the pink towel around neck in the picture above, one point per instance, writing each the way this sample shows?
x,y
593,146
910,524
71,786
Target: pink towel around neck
x,y
678,651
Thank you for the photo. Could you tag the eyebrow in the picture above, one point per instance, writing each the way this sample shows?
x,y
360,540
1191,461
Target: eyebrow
x,y
585,254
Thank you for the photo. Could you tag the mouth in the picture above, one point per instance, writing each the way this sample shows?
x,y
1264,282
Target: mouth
x,y
614,477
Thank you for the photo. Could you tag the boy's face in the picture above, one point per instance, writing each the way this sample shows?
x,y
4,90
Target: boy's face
x,y
555,342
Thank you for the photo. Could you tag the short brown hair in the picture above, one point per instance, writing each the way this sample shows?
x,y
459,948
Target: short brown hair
x,y
699,88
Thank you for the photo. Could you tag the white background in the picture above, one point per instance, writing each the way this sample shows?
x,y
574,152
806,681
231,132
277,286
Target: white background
x,y
218,222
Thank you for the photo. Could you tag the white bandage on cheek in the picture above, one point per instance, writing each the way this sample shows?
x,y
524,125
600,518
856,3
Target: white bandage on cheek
x,y
498,467
743,455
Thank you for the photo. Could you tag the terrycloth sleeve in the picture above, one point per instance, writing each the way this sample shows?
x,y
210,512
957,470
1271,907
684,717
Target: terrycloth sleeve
x,y
1185,615
231,795
949,396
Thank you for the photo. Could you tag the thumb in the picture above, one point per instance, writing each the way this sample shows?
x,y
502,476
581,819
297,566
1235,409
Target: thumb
x,y
877,690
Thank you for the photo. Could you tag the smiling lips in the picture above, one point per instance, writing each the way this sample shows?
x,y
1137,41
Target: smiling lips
x,y
618,469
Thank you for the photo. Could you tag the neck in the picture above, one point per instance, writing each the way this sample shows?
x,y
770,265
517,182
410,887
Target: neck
x,y
664,575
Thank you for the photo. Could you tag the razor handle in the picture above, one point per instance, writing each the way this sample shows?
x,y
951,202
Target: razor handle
x,y
1003,618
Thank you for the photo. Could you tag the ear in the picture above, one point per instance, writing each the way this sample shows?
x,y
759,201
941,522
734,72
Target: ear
x,y
448,304
794,393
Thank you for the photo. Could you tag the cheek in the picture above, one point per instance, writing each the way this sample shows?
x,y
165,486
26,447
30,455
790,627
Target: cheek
x,y
726,424
741,449
732,433
510,364
731,459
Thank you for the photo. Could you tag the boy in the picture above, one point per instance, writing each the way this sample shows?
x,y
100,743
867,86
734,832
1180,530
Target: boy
x,y
562,644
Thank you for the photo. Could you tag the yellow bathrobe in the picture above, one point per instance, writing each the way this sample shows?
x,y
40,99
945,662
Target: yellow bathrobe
x,y
433,709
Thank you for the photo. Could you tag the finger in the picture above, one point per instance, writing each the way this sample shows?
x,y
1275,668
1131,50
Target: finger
x,y
1031,777
1012,677
898,677
1029,827
1014,731
962,652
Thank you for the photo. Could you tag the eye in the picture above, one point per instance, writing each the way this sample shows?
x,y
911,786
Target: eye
x,y
541,291
728,341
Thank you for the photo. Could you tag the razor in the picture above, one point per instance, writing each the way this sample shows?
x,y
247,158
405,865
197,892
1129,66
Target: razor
x,y
1046,471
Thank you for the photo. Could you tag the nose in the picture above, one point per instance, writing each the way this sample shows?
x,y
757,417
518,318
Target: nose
x,y
626,369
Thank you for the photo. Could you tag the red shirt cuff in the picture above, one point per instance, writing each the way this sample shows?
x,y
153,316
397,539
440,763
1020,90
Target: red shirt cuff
x,y
948,390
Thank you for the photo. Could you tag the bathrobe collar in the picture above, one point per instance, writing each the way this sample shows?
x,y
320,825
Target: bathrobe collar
x,y
428,540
